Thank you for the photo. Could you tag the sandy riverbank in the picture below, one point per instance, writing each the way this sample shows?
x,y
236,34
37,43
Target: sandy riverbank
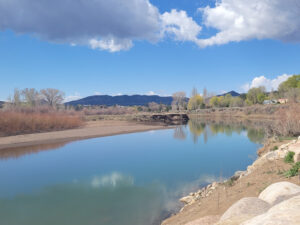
x,y
215,199
90,130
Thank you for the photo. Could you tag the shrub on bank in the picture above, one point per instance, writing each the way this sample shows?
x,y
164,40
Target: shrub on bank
x,y
294,171
288,122
289,158
25,121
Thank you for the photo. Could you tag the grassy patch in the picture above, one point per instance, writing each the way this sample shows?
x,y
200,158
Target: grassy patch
x,y
274,148
289,158
283,138
294,171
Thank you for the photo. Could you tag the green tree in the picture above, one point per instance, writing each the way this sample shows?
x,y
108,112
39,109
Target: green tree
x,y
236,102
292,82
214,101
256,95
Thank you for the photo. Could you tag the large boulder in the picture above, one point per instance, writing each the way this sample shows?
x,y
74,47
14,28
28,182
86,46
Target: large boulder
x,y
278,192
284,213
207,220
243,210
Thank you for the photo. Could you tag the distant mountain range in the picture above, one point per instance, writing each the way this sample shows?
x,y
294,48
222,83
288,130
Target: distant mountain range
x,y
232,93
122,100
129,100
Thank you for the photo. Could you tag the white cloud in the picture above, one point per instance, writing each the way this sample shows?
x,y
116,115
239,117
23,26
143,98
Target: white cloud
x,y
97,93
114,25
73,97
118,94
238,20
151,93
111,44
269,84
179,25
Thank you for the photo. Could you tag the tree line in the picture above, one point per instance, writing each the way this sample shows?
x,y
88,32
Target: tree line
x,y
32,97
289,91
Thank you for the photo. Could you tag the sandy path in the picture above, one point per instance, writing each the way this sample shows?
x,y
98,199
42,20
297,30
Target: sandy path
x,y
90,130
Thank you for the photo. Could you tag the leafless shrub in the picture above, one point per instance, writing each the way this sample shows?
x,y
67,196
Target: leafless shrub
x,y
288,122
26,120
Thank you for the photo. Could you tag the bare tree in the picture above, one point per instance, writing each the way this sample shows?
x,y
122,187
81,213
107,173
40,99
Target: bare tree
x,y
52,96
204,94
179,100
16,99
194,92
154,107
293,95
31,96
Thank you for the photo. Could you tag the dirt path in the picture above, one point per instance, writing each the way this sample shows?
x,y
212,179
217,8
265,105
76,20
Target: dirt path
x,y
90,130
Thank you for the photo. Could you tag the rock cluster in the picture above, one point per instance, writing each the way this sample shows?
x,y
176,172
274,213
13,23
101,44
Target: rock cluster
x,y
202,193
293,146
278,204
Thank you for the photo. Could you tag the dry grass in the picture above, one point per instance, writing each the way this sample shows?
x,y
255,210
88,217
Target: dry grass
x,y
33,120
288,123
112,110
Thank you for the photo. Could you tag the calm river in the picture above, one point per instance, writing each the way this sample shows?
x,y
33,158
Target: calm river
x,y
131,179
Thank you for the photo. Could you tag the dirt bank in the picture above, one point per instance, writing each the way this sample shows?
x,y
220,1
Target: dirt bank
x,y
223,195
90,130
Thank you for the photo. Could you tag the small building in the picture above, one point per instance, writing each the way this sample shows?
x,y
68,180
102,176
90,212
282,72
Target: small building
x,y
270,102
283,100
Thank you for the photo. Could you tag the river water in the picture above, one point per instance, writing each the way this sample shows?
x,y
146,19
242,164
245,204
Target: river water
x,y
129,179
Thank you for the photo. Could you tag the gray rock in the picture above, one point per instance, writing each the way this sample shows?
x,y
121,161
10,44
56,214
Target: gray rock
x,y
278,192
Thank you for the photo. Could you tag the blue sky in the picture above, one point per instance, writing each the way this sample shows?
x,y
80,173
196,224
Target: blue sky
x,y
174,61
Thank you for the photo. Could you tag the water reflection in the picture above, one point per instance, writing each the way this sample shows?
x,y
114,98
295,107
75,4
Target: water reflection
x,y
21,151
133,179
179,133
198,127
206,128
111,199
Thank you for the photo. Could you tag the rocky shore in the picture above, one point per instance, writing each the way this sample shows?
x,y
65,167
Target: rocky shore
x,y
246,198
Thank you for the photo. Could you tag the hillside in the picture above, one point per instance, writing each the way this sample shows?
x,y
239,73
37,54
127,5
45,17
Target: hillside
x,y
123,100
232,93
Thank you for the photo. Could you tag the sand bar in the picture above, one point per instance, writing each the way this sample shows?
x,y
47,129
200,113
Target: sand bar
x,y
90,130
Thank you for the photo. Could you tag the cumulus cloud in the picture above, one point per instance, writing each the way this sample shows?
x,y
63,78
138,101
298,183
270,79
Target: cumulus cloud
x,y
111,44
179,25
114,25
238,20
269,84
108,25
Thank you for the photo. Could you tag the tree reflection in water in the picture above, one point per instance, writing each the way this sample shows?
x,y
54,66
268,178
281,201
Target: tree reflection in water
x,y
208,128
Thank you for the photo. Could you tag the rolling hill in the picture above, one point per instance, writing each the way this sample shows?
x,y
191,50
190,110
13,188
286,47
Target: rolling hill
x,y
122,100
